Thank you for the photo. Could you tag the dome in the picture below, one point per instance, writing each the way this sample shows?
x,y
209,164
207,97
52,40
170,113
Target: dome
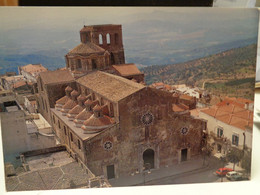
x,y
68,106
68,88
81,117
88,102
81,98
61,102
74,93
97,108
95,124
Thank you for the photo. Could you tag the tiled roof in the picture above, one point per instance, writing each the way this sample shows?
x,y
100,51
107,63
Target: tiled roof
x,y
232,113
98,122
34,68
76,110
186,97
179,107
57,76
69,105
127,69
86,49
19,84
63,100
84,115
110,86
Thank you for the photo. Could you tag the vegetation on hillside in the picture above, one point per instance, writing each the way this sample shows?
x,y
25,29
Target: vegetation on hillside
x,y
227,73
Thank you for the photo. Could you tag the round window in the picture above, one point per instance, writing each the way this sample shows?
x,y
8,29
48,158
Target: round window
x,y
147,118
108,145
184,130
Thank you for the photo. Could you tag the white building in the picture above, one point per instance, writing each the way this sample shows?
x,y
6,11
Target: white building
x,y
21,132
230,124
31,71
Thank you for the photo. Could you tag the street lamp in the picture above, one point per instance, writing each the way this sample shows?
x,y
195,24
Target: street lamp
x,y
146,169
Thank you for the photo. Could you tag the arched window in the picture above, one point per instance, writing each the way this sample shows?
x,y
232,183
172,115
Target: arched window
x,y
94,64
100,39
79,65
111,110
71,137
108,38
116,38
79,146
65,131
101,101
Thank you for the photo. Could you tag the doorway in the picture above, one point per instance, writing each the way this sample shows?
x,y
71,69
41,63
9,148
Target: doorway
x,y
184,154
148,157
110,171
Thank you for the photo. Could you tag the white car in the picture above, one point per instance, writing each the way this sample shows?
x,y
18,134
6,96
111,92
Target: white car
x,y
234,176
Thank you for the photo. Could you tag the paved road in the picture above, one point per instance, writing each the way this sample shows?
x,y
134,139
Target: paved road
x,y
200,176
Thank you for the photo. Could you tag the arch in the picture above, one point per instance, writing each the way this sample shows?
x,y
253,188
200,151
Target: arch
x,y
108,38
94,64
100,39
148,157
79,65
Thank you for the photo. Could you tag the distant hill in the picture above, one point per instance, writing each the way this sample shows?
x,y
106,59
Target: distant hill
x,y
50,59
227,73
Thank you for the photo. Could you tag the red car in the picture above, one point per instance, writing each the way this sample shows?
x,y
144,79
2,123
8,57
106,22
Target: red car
x,y
223,171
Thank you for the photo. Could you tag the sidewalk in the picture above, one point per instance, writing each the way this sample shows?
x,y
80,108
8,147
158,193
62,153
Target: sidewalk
x,y
175,170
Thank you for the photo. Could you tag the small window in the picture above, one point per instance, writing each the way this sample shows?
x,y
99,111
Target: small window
x,y
94,64
53,118
79,146
65,130
220,132
71,137
100,38
111,110
101,101
235,139
108,38
59,124
79,65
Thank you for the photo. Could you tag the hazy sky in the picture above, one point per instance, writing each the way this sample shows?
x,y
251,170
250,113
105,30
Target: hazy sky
x,y
150,34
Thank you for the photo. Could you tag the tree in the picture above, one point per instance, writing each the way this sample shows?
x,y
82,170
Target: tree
x,y
246,161
234,156
206,152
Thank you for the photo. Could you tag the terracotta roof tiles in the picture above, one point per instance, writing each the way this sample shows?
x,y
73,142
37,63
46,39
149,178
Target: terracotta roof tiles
x,y
57,76
86,49
112,87
127,69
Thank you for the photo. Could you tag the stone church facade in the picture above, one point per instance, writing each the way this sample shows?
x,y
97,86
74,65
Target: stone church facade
x,y
126,126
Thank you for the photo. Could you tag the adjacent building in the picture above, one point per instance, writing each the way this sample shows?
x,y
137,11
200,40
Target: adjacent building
x,y
230,124
31,71
22,132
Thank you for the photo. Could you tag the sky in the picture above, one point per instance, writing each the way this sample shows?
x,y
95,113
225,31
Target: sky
x,y
151,35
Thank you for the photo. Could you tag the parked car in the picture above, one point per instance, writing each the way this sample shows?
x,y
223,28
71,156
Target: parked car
x,y
223,171
236,176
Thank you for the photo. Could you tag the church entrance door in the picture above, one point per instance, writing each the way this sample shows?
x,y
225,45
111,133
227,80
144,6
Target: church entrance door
x,y
148,157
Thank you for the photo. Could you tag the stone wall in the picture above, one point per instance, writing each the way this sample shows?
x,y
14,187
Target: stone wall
x,y
162,135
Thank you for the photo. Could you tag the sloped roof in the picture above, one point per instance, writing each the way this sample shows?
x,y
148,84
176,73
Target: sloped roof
x,y
57,76
34,68
231,113
110,86
86,49
127,69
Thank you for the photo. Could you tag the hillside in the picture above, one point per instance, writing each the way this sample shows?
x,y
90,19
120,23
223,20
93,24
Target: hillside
x,y
231,72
